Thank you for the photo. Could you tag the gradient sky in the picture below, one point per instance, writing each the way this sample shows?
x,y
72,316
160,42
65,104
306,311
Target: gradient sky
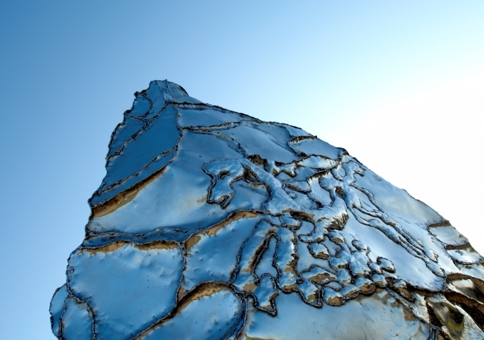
x,y
399,84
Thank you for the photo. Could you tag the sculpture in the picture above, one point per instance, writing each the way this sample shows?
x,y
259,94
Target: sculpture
x,y
211,224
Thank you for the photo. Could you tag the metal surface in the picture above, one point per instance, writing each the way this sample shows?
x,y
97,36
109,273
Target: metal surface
x,y
211,224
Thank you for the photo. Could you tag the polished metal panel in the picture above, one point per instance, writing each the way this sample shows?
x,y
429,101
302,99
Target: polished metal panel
x,y
211,224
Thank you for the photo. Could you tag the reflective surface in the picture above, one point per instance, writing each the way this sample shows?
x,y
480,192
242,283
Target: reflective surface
x,y
211,224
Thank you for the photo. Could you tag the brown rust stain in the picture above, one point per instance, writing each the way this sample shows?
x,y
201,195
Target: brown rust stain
x,y
107,248
250,287
213,230
157,245
405,293
301,215
291,267
479,284
407,314
406,310
238,215
204,290
368,289
321,278
456,276
313,297
445,223
180,294
258,160
466,246
192,241
124,197
299,139
160,245
335,301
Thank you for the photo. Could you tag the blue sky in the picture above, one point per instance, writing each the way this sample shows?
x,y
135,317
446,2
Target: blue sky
x,y
399,84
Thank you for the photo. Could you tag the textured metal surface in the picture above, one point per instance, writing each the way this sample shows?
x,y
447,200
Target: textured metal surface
x,y
211,224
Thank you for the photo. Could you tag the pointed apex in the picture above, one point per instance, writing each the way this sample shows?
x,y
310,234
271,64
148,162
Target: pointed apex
x,y
170,92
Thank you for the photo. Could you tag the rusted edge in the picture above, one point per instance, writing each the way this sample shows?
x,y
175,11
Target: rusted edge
x,y
124,197
213,230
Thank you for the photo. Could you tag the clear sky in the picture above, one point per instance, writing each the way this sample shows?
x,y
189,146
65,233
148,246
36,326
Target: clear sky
x,y
399,84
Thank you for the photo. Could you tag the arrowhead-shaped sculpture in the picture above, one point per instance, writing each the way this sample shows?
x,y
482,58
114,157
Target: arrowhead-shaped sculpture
x,y
211,224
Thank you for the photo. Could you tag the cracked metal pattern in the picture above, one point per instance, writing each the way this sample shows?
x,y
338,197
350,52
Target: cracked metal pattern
x,y
211,224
